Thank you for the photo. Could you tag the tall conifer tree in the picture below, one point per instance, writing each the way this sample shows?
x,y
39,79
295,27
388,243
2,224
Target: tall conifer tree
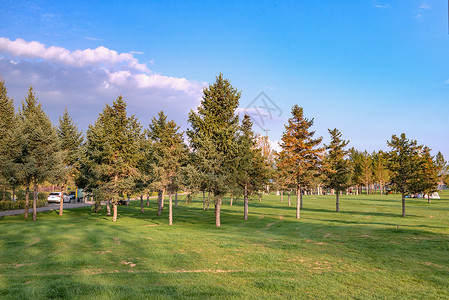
x,y
301,154
213,138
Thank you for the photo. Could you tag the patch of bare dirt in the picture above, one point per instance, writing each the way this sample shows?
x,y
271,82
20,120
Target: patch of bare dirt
x,y
129,263
150,225
22,265
103,252
116,240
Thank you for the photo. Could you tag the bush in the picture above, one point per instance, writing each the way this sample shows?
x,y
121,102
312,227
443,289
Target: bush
x,y
12,205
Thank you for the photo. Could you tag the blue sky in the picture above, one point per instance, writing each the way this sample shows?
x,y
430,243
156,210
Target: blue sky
x,y
369,68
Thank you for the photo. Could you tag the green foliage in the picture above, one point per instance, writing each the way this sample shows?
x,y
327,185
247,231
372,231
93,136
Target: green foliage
x,y
336,167
20,204
213,133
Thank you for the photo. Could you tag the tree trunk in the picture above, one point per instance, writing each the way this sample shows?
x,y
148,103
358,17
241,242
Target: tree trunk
x,y
108,206
14,192
127,202
170,209
148,199
298,204
217,212
61,203
204,200
260,197
114,208
141,203
245,200
282,196
27,200
337,203
300,198
289,200
428,198
380,188
4,193
162,199
403,204
208,200
35,200
176,199
231,201
159,203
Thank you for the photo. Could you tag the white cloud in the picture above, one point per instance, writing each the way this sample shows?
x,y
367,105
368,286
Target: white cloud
x,y
136,52
425,6
275,145
78,58
92,38
84,80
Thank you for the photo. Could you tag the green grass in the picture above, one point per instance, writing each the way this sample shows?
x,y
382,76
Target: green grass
x,y
358,253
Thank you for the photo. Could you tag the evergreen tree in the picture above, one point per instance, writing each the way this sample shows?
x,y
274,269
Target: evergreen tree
x,y
366,164
252,168
380,169
355,162
336,166
39,157
70,139
111,155
213,138
8,123
404,165
168,154
428,174
301,154
442,168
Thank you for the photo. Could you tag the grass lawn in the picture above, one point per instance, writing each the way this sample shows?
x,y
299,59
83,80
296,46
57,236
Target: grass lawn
x,y
366,251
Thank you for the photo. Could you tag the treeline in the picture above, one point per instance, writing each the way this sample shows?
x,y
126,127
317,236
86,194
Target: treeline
x,y
118,157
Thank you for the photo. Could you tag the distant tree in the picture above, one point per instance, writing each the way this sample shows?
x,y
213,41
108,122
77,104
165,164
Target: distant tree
x,y
301,154
252,168
442,168
403,165
70,139
428,173
366,164
169,152
213,138
336,166
40,146
380,169
355,162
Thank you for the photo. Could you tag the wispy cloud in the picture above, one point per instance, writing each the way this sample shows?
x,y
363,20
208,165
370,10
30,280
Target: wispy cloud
x,y
379,4
136,52
425,6
91,38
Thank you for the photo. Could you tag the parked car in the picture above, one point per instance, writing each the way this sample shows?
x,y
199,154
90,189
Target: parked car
x,y
55,197
72,195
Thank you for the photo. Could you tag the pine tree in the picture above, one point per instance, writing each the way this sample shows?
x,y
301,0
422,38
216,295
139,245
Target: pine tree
x,y
8,123
252,168
442,168
70,139
111,155
336,167
213,138
380,169
366,164
404,165
168,154
427,180
39,147
301,154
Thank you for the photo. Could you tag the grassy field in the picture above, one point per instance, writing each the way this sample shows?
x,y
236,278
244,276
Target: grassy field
x,y
366,251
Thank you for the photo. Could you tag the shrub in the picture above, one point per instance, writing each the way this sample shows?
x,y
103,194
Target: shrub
x,y
12,205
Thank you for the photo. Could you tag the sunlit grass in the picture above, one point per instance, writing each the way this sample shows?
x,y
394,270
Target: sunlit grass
x,y
366,251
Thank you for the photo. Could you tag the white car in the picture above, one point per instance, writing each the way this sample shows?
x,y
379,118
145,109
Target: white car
x,y
56,197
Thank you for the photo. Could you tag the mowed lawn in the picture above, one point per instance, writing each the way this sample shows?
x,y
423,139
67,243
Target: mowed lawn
x,y
366,251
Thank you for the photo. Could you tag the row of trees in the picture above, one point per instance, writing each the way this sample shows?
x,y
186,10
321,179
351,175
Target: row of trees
x,y
118,157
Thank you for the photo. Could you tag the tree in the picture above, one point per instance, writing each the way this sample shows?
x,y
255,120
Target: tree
x,y
70,139
380,169
252,171
109,168
300,155
8,122
366,164
427,180
168,153
39,147
213,138
404,165
336,166
442,168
